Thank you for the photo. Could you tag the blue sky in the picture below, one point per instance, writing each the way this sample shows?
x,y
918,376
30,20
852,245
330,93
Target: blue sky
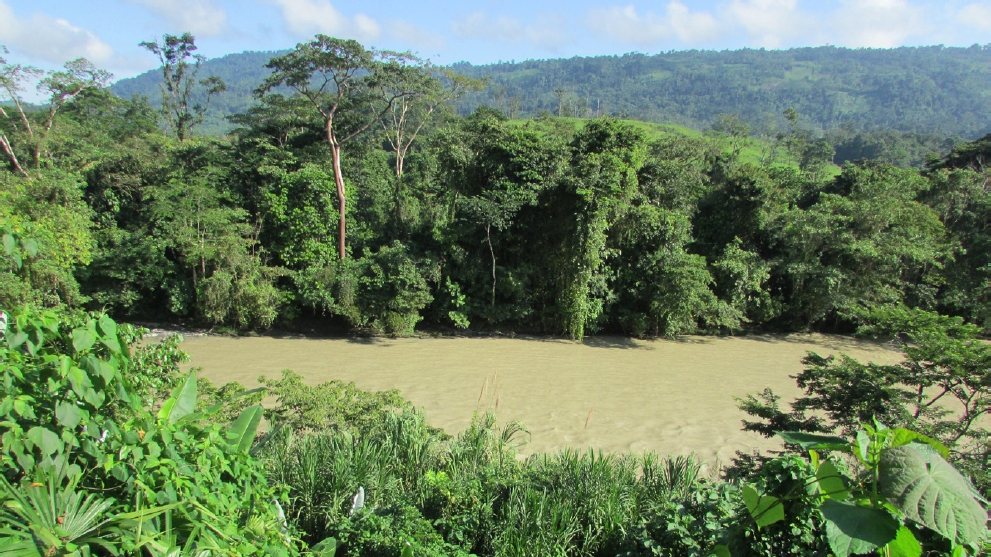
x,y
46,33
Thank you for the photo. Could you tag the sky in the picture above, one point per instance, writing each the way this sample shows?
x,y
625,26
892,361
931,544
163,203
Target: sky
x,y
47,33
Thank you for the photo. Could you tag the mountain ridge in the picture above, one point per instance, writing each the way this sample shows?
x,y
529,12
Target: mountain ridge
x,y
915,89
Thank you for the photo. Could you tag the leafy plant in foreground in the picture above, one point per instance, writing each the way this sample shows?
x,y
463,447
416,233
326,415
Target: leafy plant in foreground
x,y
941,389
73,421
904,488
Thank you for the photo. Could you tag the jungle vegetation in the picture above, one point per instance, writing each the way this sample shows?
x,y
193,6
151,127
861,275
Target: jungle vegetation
x,y
351,193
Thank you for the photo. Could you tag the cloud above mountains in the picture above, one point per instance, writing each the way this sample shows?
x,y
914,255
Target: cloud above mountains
x,y
200,17
546,32
306,17
783,23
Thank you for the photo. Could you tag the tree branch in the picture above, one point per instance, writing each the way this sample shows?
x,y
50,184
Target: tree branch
x,y
5,144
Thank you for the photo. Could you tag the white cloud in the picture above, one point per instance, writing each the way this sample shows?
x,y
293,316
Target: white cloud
x,y
976,15
878,23
199,17
414,36
306,17
548,32
784,23
50,39
692,27
626,25
771,23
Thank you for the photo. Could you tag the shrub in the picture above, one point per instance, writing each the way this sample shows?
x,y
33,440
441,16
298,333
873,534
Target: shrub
x,y
73,420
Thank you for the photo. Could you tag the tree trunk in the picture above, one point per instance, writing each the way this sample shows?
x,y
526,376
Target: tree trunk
x,y
335,151
488,238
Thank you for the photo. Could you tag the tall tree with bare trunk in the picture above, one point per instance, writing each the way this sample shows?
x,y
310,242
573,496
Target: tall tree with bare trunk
x,y
349,86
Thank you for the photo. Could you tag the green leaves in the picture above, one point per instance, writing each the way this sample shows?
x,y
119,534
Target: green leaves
x,y
182,403
904,544
811,441
82,339
831,482
68,414
931,492
45,439
242,432
325,548
719,551
853,530
764,509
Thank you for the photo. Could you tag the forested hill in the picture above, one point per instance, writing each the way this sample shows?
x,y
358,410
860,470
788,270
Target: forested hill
x,y
927,89
241,72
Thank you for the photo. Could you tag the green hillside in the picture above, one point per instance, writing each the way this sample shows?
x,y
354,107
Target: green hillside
x,y
928,89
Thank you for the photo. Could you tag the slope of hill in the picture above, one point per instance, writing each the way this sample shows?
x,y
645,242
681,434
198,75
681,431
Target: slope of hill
x,y
925,89
241,72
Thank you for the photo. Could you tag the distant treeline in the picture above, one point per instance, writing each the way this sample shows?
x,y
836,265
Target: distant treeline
x,y
935,89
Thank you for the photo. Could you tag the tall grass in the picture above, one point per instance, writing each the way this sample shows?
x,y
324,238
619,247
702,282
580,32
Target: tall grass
x,y
475,493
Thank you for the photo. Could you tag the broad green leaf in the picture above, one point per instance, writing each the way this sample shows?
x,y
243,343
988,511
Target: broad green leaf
x,y
24,409
902,436
904,545
764,509
407,551
111,342
831,482
94,397
30,245
719,551
185,399
68,414
863,445
163,413
108,326
79,381
325,548
931,492
242,432
8,243
19,338
45,439
853,530
213,409
810,441
82,339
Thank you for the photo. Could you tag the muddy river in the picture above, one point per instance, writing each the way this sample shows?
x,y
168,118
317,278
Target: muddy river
x,y
614,394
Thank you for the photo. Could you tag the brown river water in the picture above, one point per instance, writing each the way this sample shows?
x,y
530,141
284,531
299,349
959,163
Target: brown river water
x,y
609,393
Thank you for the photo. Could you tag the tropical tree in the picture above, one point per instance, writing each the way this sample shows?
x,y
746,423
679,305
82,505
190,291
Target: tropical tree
x,y
179,82
351,87
419,93
60,87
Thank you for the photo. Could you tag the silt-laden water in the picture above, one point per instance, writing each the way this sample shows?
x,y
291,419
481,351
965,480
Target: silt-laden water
x,y
609,393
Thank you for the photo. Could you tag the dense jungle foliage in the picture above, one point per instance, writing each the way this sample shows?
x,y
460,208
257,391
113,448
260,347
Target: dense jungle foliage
x,y
550,225
934,89
358,198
